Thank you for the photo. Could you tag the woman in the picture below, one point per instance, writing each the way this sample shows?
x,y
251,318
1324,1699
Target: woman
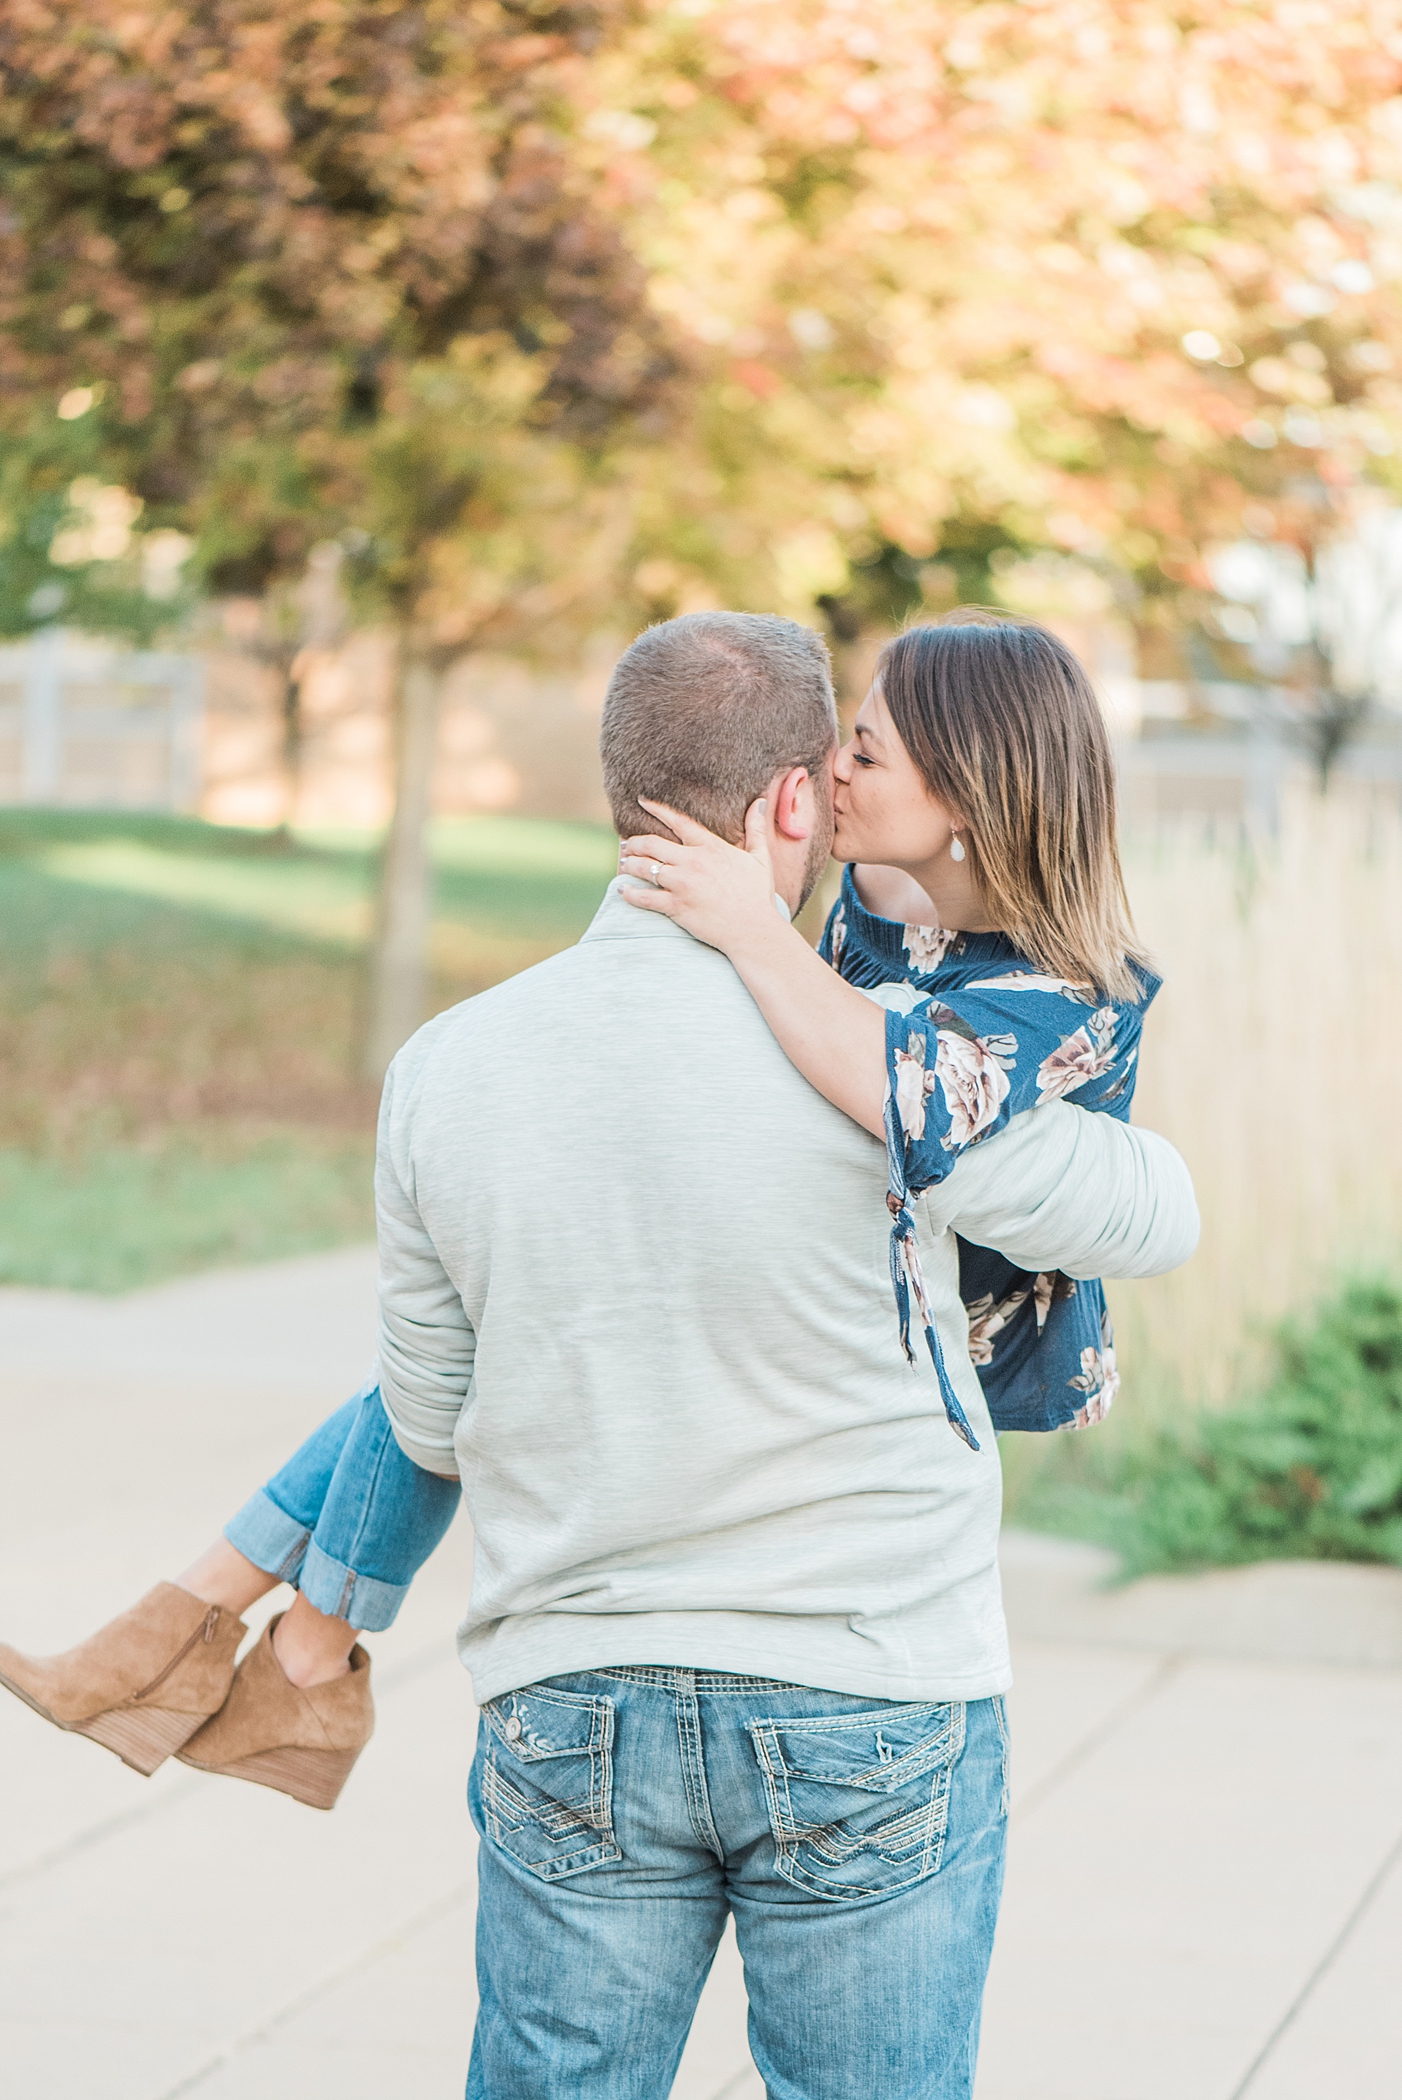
x,y
987,916
980,774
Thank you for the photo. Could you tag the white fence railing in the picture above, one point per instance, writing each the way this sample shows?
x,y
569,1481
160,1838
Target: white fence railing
x,y
88,725
1245,778
92,726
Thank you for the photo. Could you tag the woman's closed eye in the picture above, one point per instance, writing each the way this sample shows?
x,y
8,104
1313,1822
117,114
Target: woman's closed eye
x,y
860,758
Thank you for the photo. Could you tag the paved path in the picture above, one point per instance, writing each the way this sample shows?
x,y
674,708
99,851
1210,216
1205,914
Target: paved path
x,y
1205,1878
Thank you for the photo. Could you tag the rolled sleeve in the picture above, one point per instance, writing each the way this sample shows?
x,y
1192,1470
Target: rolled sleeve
x,y
426,1341
1065,1188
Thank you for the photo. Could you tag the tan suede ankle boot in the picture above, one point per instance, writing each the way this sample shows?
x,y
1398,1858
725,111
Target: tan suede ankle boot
x,y
303,1743
141,1685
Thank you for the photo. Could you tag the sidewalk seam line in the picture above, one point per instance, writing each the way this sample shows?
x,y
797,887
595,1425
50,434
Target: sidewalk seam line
x,y
736,2085
95,1834
228,2052
1320,1970
1096,1737
396,1674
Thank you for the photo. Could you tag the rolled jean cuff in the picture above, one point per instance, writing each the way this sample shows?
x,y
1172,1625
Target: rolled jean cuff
x,y
268,1537
369,1605
280,1546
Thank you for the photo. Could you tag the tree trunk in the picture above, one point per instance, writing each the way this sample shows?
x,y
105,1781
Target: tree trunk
x,y
399,968
290,673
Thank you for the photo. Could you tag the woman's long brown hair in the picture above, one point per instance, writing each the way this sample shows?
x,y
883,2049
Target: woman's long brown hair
x,y
1000,718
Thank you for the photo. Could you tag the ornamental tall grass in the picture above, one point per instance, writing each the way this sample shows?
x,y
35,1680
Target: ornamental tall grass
x,y
1273,1059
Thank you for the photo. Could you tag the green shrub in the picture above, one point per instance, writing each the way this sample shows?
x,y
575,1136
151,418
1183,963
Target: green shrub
x,y
1309,1469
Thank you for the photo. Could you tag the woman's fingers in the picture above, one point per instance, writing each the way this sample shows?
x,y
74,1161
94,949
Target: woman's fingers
x,y
657,880
757,832
652,849
641,865
647,899
713,889
686,828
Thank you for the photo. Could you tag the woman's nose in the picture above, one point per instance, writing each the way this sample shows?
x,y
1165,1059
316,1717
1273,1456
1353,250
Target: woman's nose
x,y
842,764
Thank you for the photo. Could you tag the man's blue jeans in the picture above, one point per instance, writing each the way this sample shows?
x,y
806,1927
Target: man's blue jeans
x,y
349,1519
624,1813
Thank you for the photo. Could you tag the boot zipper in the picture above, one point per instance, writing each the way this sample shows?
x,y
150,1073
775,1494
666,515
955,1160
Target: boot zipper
x,y
203,1632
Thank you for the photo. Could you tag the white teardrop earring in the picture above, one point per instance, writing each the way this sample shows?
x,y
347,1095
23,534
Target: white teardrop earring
x,y
956,846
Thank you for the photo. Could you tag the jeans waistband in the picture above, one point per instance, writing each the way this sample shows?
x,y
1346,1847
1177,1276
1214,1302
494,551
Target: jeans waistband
x,y
669,1680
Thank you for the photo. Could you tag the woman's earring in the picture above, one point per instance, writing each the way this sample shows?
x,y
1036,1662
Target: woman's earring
x,y
956,847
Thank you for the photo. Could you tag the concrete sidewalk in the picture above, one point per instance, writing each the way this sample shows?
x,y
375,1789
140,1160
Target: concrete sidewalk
x,y
1205,1877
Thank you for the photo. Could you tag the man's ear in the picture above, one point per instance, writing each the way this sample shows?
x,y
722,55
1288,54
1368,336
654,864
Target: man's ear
x,y
791,803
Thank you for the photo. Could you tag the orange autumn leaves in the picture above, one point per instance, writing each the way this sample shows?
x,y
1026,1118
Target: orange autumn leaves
x,y
812,278
1101,271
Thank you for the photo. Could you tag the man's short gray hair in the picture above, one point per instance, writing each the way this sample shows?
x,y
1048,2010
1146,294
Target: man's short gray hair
x,y
704,710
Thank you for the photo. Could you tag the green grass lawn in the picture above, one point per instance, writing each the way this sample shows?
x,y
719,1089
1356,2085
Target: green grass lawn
x,y
180,1012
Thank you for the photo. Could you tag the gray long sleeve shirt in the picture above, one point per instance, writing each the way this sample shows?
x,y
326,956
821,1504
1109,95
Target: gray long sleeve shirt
x,y
634,1290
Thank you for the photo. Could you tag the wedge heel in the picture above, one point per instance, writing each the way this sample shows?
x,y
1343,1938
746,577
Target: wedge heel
x,y
301,1740
142,1738
143,1684
314,1777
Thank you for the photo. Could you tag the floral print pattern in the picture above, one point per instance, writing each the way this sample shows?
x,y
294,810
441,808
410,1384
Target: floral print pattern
x,y
926,946
973,1076
913,1084
987,1320
1044,1294
1030,981
1098,1379
987,1038
835,937
1087,1054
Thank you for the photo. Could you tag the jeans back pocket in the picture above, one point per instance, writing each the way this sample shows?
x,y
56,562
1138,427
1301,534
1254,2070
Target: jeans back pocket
x,y
859,1803
547,1779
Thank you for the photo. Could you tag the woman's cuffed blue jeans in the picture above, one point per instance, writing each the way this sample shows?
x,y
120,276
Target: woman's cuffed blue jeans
x,y
349,1520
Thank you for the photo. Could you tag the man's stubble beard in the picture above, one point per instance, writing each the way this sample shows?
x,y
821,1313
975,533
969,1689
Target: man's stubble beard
x,y
819,846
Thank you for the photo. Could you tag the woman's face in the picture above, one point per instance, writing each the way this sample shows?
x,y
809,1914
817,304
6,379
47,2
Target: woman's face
x,y
884,812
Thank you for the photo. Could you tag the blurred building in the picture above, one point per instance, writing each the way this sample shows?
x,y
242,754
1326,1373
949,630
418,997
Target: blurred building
x,y
84,724
1221,752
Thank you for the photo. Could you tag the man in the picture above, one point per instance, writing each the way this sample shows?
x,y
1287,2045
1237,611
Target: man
x,y
736,1626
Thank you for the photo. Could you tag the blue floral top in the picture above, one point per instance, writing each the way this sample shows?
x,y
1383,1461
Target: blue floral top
x,y
974,1035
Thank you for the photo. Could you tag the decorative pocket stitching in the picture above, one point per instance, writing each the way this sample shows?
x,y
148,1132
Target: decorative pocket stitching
x,y
508,1810
828,1842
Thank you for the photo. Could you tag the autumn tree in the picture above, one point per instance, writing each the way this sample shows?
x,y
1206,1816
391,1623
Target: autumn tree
x,y
922,288
1076,274
70,543
299,257
1313,618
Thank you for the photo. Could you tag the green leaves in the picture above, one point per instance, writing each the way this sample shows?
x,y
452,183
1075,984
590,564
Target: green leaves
x,y
260,231
1310,1469
76,546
